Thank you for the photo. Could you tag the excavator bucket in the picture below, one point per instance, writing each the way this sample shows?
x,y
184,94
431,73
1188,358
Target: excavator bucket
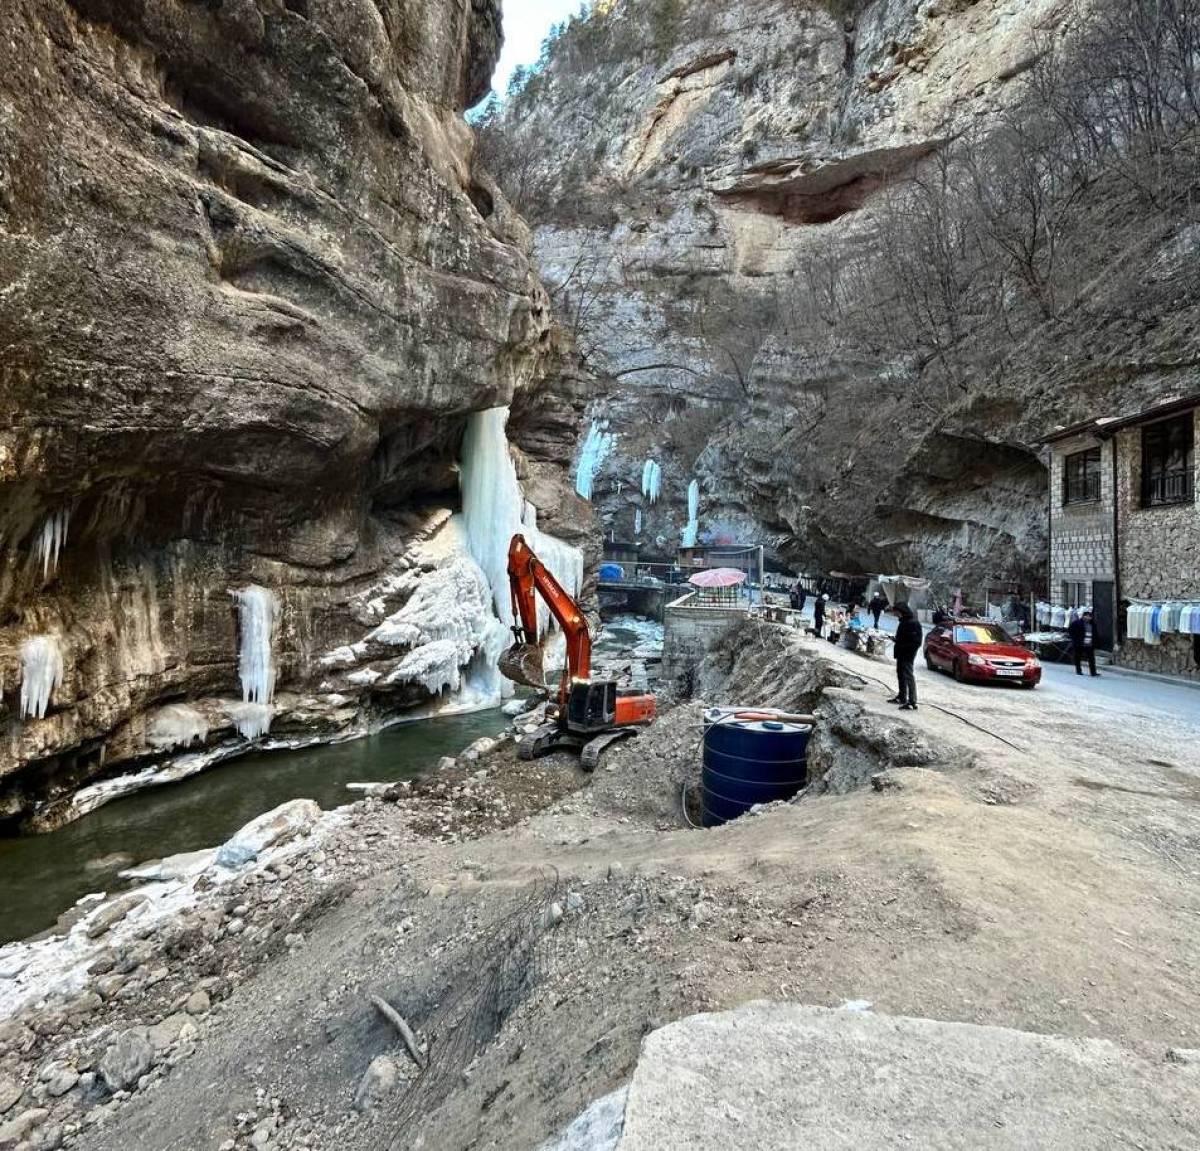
x,y
522,663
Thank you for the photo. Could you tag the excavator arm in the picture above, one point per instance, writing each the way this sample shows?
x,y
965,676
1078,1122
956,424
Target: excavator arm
x,y
528,577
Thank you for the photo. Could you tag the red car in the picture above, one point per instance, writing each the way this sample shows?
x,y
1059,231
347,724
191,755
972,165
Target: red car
x,y
981,651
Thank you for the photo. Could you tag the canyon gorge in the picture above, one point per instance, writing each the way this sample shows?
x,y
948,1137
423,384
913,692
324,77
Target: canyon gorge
x,y
289,348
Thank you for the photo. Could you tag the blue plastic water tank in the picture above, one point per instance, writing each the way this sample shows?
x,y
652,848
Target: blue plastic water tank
x,y
751,761
612,572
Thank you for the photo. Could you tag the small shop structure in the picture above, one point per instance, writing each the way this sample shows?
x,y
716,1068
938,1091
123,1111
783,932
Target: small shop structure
x,y
1124,531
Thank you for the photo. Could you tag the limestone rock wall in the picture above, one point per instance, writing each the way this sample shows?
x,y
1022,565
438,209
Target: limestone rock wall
x,y
682,165
251,281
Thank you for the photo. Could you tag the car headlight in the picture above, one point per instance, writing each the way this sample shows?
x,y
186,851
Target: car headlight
x,y
978,660
1034,662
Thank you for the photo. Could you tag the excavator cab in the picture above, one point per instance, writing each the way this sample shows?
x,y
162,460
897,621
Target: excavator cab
x,y
590,712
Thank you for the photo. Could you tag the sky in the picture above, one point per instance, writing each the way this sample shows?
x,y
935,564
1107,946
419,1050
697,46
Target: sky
x,y
526,23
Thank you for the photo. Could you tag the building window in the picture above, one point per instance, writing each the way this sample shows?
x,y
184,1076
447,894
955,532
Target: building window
x,y
1169,462
1081,477
1075,594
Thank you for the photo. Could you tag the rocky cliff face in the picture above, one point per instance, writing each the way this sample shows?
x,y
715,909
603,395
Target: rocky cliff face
x,y
251,283
706,180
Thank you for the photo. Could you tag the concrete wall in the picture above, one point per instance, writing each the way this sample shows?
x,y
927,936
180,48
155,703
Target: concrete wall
x,y
690,631
1081,535
1159,556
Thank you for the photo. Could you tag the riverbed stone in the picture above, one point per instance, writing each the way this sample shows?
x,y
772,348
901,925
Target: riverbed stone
x,y
10,1092
270,829
166,1031
198,1003
16,1130
108,915
59,1079
127,1060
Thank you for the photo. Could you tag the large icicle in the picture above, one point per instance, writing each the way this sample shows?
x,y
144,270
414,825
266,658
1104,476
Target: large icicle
x,y
41,674
50,540
637,522
258,620
651,480
494,510
596,445
692,529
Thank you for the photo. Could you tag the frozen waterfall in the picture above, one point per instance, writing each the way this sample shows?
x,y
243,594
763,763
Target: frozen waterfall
x,y
50,540
258,623
692,528
651,480
41,674
494,510
596,445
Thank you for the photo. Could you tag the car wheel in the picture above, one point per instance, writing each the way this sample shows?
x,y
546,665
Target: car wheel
x,y
929,663
1029,686
958,671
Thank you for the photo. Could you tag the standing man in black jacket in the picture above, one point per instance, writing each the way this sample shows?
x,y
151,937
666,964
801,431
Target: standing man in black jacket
x,y
1083,640
909,636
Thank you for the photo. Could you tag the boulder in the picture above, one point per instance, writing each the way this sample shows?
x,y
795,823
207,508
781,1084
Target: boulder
x,y
10,1092
127,1060
15,1131
378,1081
270,829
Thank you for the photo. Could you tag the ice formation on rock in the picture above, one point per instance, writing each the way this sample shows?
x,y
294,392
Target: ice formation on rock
x,y
41,674
50,540
596,445
651,480
176,725
258,619
494,510
692,528
252,720
637,522
449,623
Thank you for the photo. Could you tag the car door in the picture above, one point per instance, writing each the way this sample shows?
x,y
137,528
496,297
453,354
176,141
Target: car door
x,y
935,646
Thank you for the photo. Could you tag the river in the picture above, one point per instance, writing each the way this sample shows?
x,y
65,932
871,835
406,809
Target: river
x,y
41,876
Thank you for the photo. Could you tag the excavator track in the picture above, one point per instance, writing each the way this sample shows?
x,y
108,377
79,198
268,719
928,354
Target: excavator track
x,y
542,740
589,757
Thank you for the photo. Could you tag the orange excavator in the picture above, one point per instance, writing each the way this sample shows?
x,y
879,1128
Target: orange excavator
x,y
590,713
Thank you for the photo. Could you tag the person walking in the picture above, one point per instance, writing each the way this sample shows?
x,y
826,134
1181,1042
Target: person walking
x,y
876,608
909,636
801,596
1083,640
819,615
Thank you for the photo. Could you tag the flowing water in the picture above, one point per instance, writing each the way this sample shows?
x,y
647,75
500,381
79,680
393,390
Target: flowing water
x,y
43,875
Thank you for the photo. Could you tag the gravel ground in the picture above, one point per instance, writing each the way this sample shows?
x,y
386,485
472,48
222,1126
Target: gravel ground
x,y
999,857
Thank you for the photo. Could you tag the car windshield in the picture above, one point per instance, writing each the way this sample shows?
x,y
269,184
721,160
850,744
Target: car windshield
x,y
980,633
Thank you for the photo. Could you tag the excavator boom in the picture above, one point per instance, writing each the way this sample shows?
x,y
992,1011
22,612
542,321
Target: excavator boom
x,y
528,577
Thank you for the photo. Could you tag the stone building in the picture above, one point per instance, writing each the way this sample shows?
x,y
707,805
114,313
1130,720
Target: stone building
x,y
1125,527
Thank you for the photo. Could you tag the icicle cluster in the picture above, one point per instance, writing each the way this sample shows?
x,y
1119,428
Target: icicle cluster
x,y
176,725
258,620
651,480
692,529
596,445
50,540
41,674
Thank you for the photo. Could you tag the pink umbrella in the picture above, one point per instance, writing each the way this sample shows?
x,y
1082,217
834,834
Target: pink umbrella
x,y
718,577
